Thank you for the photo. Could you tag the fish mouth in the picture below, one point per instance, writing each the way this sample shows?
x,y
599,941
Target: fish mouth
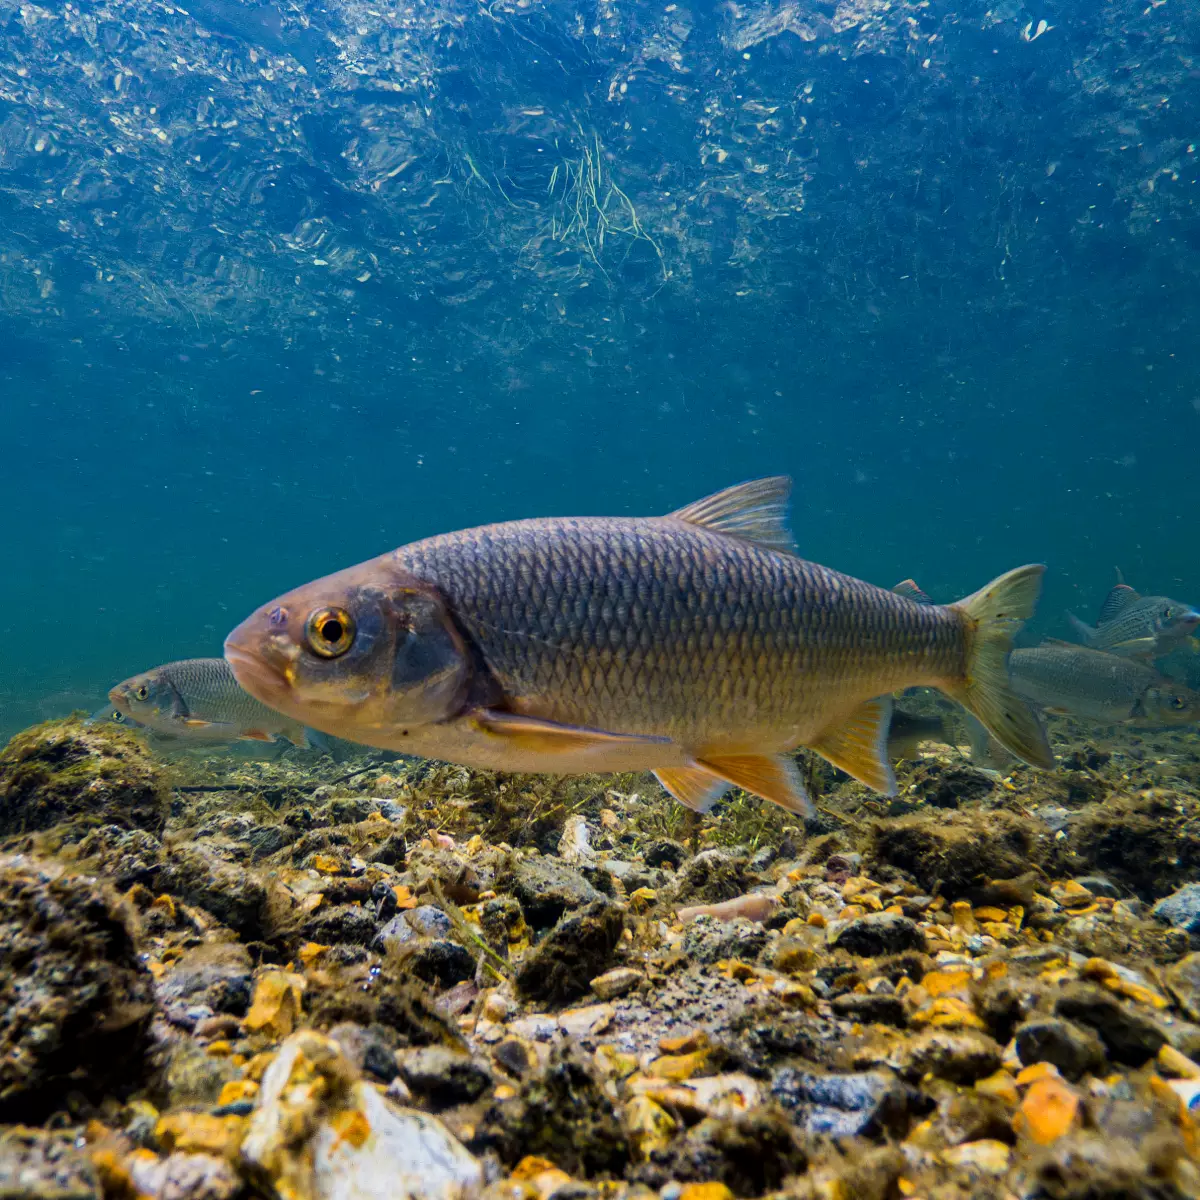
x,y
253,674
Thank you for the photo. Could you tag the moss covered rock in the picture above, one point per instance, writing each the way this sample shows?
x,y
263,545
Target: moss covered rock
x,y
75,1000
63,770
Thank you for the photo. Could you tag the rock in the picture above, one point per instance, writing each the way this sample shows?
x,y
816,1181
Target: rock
x,y
750,1154
1074,1051
616,982
190,1076
961,1056
438,962
863,1104
665,852
546,889
949,785
712,875
879,933
1181,909
182,1176
443,1077
366,1050
41,1164
429,921
75,999
1183,981
1128,1035
216,975
561,1113
318,1131
708,940
347,924
884,1010
396,932
633,875
580,947
194,874
65,769
957,851
462,879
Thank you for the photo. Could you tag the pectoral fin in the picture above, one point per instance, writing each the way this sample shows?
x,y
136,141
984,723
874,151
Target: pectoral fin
x,y
697,790
774,777
1142,645
552,737
256,735
196,723
858,745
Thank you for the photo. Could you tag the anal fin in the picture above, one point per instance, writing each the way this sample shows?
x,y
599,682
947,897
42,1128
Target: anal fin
x,y
694,789
553,737
774,777
256,735
858,745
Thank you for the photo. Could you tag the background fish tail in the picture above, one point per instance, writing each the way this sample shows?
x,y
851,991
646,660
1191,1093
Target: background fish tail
x,y
993,616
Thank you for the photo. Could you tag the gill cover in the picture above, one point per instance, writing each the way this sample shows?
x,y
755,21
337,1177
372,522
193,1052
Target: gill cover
x,y
430,664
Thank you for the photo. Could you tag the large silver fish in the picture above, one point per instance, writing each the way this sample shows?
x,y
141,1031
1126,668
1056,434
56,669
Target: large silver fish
x,y
696,645
1137,626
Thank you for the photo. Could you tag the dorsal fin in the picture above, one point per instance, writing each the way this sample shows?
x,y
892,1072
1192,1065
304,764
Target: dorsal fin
x,y
755,512
1115,602
909,589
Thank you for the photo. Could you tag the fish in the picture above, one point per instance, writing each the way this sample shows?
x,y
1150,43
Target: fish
x,y
1077,681
199,700
108,713
909,730
696,645
1138,626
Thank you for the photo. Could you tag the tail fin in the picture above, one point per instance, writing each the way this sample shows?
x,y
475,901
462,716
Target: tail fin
x,y
992,616
1086,632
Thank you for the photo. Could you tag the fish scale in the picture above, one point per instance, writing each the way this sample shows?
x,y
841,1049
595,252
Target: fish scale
x,y
678,602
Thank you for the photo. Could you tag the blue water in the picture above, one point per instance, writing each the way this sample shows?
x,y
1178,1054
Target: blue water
x,y
955,301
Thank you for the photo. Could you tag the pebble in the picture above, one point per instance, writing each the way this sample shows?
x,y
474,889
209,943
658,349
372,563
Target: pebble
x,y
616,982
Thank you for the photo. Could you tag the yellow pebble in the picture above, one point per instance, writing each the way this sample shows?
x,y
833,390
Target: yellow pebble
x,y
1002,1086
705,1191
237,1090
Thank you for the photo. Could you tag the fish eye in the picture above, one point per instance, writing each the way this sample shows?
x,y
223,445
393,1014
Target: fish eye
x,y
329,632
1178,703
141,693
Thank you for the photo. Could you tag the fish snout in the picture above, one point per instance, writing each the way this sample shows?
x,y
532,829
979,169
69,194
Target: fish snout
x,y
259,660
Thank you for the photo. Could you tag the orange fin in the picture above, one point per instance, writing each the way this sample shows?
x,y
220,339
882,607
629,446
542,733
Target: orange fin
x,y
256,735
755,512
534,733
858,745
697,790
774,777
196,723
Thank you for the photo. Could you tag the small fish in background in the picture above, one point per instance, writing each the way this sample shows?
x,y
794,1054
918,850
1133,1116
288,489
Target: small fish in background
x,y
909,730
1077,681
696,645
198,700
113,715
1137,626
